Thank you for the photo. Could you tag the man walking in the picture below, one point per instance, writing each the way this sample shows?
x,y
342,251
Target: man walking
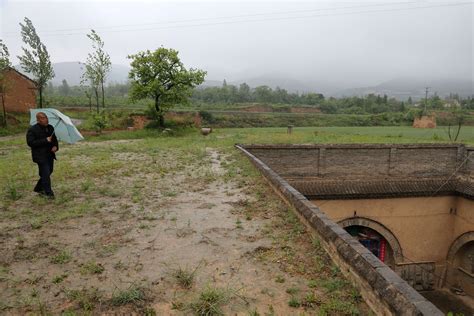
x,y
44,145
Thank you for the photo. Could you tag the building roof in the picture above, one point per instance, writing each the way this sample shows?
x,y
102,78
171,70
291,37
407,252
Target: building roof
x,y
24,76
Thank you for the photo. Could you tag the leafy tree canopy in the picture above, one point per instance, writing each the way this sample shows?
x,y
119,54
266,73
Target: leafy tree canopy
x,y
35,60
162,77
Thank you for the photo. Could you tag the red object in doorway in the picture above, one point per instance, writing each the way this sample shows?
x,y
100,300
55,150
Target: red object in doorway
x,y
382,250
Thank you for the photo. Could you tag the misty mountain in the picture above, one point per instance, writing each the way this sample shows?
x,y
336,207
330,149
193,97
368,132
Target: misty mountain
x,y
402,88
72,72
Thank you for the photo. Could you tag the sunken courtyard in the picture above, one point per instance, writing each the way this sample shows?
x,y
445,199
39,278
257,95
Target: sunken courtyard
x,y
397,219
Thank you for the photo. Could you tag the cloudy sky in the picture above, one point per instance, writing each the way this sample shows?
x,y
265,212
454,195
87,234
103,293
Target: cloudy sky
x,y
351,43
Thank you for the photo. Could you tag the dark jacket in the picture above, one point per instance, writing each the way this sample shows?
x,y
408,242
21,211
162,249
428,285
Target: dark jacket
x,y
40,147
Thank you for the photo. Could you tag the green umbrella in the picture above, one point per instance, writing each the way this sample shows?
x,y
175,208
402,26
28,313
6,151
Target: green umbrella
x,y
64,129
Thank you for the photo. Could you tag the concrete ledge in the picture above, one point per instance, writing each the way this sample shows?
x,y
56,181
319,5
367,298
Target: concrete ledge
x,y
383,290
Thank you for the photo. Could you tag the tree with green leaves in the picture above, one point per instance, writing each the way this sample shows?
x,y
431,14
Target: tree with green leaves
x,y
98,65
91,83
5,65
162,77
35,60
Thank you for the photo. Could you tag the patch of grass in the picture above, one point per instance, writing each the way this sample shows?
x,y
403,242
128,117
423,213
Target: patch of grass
x,y
92,267
86,298
36,223
310,300
294,302
312,284
12,191
238,224
133,294
292,290
210,302
332,285
87,186
59,278
280,279
170,193
120,266
143,226
254,313
184,277
63,257
107,250
177,305
338,307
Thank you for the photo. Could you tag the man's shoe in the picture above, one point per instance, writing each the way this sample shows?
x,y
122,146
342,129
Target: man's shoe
x,y
39,191
50,196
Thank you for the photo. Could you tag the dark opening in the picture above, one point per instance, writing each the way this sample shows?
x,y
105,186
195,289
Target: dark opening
x,y
373,241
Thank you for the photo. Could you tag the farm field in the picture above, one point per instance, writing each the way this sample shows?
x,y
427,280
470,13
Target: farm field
x,y
169,223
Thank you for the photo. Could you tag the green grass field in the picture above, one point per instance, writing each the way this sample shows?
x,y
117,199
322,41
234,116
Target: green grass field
x,y
226,137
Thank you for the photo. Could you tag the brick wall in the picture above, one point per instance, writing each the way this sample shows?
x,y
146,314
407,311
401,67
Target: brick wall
x,y
360,161
469,169
20,93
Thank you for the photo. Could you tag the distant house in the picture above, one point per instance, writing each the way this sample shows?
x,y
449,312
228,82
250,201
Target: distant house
x,y
20,92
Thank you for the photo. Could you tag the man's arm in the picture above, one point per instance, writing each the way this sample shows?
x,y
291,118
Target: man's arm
x,y
33,141
54,141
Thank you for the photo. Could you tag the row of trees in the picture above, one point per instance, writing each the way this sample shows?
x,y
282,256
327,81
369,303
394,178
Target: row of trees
x,y
230,94
370,104
158,75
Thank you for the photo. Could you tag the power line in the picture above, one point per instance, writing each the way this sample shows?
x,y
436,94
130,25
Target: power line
x,y
269,20
228,17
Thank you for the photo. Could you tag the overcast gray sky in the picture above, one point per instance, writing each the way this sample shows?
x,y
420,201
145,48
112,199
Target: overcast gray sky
x,y
354,43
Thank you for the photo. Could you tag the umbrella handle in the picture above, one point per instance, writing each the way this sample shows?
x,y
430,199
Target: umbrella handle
x,y
54,128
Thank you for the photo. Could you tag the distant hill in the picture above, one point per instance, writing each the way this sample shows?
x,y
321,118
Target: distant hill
x,y
402,88
72,72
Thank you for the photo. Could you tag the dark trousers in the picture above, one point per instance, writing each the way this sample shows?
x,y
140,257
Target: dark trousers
x,y
44,183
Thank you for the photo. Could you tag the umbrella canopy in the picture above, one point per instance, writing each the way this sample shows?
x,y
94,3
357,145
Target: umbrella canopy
x,y
64,129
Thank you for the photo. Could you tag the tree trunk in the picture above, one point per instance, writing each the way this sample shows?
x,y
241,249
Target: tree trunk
x,y
41,97
459,129
161,117
4,111
96,90
103,95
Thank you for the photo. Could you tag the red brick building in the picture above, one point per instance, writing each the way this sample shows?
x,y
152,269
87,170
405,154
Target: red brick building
x,y
20,92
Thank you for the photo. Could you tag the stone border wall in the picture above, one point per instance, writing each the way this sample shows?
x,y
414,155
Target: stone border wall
x,y
383,290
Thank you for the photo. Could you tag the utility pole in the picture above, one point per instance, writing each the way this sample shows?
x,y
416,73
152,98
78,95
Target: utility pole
x,y
426,99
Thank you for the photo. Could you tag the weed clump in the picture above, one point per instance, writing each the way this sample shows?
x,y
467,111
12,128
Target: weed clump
x,y
133,294
210,301
184,277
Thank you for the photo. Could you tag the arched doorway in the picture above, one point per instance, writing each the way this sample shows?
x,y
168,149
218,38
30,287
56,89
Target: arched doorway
x,y
375,237
460,264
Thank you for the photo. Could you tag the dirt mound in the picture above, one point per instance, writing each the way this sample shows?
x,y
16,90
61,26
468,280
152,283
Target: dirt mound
x,y
425,122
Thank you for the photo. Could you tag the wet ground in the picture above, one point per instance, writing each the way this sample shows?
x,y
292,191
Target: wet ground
x,y
132,220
